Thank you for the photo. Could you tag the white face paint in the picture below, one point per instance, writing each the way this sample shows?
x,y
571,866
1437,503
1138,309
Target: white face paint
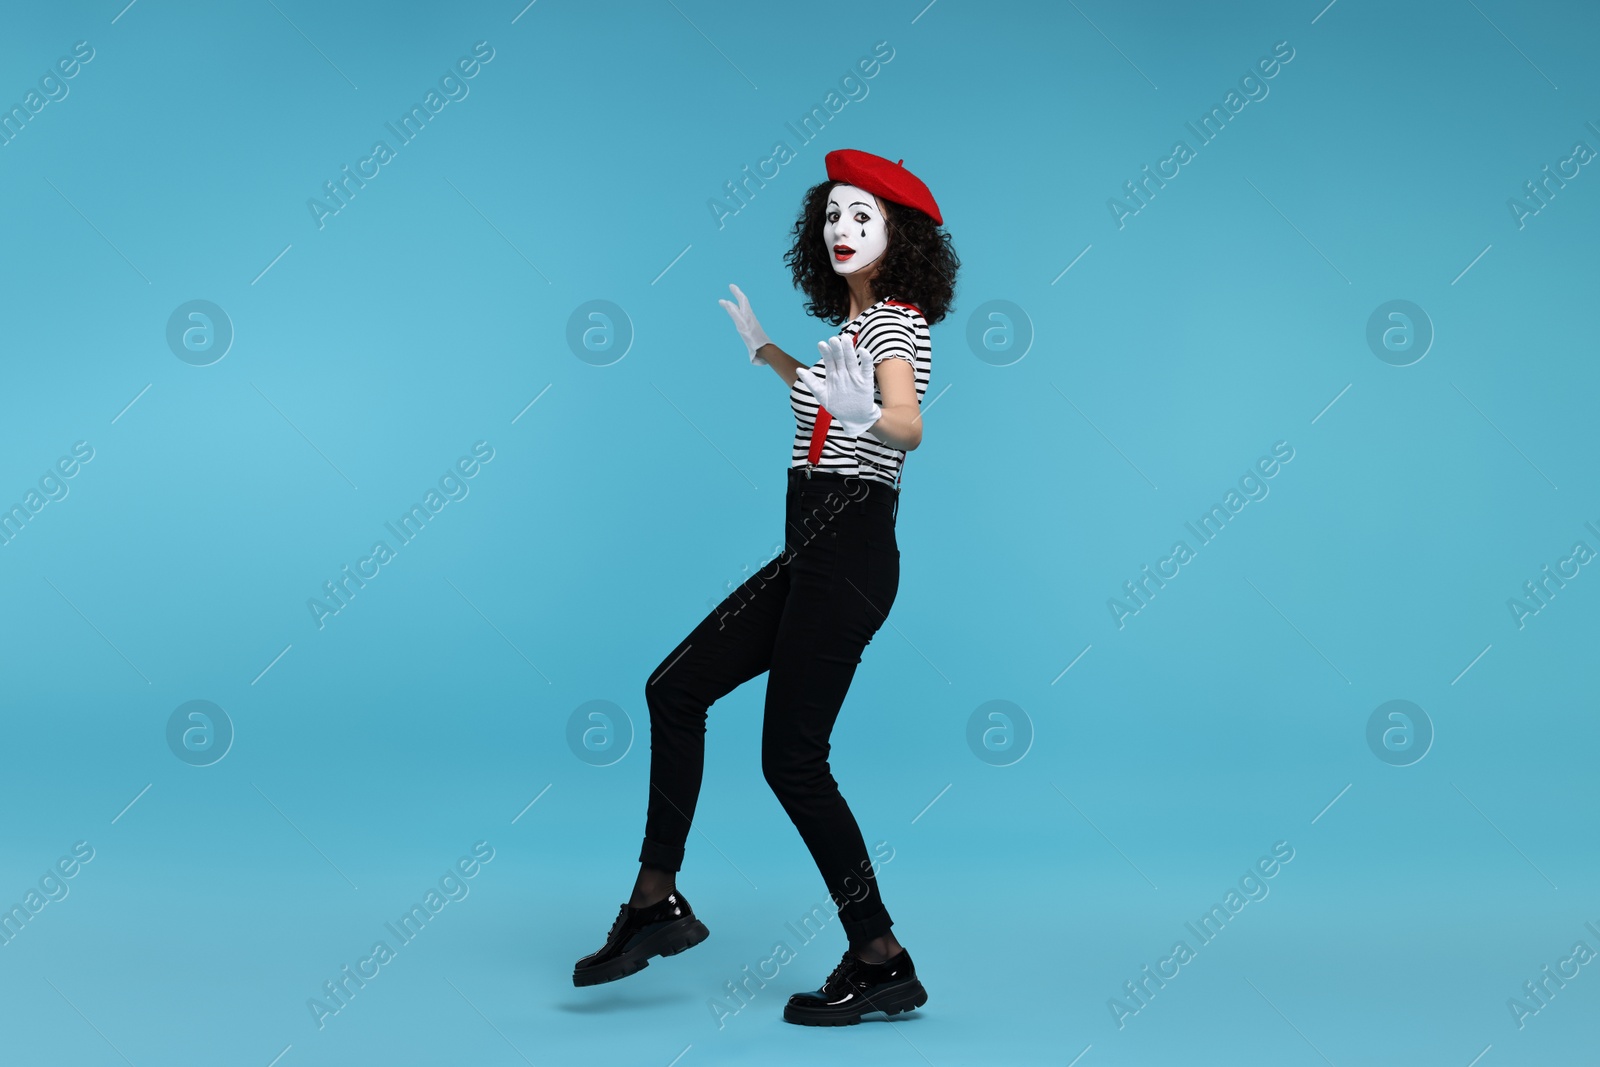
x,y
854,229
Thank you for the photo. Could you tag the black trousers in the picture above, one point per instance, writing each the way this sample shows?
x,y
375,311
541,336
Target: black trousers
x,y
804,618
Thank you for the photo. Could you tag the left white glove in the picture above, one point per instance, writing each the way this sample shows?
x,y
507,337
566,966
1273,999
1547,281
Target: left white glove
x,y
744,320
847,390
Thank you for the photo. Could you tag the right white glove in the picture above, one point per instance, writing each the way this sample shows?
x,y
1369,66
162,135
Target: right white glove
x,y
744,320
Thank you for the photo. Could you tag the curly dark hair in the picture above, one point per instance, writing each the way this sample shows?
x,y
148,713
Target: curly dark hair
x,y
919,266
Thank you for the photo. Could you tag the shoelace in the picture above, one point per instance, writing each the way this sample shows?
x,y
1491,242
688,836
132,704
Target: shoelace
x,y
622,916
845,970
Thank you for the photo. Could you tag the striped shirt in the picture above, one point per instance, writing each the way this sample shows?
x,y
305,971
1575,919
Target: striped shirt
x,y
886,330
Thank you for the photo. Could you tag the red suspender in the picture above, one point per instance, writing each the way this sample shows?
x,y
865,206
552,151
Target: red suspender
x,y
818,432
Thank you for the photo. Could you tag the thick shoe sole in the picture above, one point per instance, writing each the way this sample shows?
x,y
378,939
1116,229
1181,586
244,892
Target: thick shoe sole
x,y
670,940
891,1000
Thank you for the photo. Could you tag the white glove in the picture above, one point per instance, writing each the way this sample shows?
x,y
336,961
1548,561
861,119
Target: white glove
x,y
847,390
744,320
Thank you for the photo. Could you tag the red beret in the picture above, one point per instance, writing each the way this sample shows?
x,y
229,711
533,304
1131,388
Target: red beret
x,y
881,178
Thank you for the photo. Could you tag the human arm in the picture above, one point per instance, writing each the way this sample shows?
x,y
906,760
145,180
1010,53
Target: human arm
x,y
762,351
901,423
889,343
847,391
780,361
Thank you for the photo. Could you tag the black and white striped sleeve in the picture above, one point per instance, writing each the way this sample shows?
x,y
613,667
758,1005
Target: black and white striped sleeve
x,y
887,334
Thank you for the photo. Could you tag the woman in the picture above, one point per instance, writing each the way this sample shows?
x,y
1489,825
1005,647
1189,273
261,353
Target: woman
x,y
868,252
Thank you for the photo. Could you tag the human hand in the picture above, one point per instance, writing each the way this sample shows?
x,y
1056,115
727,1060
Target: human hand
x,y
847,390
744,320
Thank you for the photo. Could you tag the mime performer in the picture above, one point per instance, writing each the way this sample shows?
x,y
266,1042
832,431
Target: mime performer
x,y
871,256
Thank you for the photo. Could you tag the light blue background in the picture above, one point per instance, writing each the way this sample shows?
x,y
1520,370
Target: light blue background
x,y
1224,317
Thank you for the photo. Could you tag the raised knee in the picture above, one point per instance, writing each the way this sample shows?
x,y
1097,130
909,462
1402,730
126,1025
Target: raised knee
x,y
779,773
662,696
791,778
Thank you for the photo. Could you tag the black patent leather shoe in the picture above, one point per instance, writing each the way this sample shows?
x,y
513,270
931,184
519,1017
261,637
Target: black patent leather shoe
x,y
665,928
855,988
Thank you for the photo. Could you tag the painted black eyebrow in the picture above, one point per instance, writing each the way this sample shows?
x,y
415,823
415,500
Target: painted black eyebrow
x,y
853,203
